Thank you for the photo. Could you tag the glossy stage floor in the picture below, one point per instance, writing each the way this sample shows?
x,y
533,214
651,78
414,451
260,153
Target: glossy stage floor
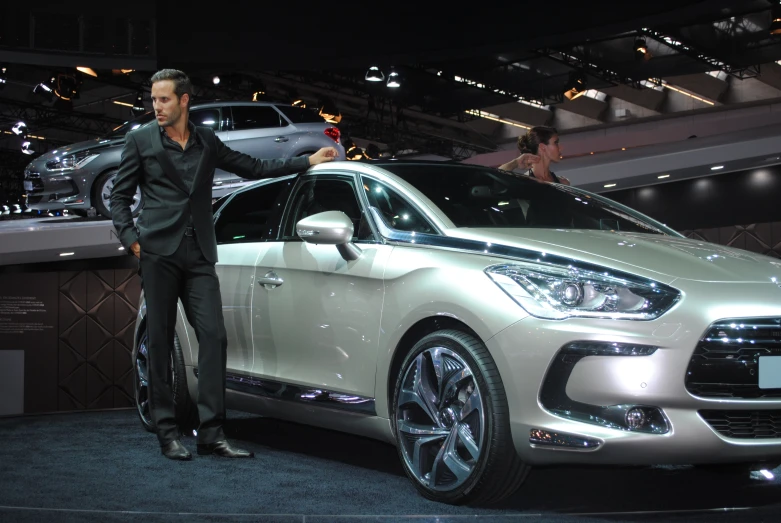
x,y
102,466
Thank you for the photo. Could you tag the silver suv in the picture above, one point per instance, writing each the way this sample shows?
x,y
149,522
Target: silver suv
x,y
80,177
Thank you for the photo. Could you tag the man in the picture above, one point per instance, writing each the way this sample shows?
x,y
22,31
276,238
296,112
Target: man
x,y
173,163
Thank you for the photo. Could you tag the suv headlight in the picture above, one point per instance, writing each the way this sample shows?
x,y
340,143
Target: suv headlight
x,y
71,162
555,292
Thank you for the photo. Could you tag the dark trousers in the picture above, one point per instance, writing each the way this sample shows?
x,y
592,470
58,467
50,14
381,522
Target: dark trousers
x,y
188,276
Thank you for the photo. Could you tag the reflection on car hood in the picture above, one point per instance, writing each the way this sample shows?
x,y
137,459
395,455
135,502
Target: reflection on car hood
x,y
97,143
656,254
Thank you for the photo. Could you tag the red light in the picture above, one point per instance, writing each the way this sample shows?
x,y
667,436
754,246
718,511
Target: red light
x,y
333,133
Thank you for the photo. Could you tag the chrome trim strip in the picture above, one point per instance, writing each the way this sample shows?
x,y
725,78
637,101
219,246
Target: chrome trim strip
x,y
295,393
560,441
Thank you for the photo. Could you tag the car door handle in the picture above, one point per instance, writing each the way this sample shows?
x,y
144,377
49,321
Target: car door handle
x,y
270,280
281,139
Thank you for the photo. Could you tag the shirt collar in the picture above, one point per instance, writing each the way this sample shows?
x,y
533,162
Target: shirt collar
x,y
190,127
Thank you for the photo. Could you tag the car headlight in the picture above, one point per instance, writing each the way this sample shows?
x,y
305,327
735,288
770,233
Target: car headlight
x,y
557,292
70,162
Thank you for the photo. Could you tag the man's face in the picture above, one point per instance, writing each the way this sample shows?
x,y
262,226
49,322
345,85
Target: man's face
x,y
167,106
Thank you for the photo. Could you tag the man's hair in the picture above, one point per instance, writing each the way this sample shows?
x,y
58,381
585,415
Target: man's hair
x,y
182,83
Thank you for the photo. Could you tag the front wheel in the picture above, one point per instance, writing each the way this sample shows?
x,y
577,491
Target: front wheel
x,y
452,424
101,198
186,411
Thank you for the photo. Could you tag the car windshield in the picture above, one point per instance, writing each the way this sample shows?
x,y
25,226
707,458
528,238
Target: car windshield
x,y
473,196
122,130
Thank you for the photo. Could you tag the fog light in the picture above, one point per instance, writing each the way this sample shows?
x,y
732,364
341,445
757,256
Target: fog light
x,y
635,418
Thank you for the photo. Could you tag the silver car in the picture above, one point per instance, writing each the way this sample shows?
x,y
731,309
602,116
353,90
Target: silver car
x,y
485,323
80,177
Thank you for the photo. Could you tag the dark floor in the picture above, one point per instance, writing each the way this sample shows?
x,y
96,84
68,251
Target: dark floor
x,y
102,467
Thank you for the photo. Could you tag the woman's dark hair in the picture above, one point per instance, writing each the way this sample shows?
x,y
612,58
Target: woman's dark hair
x,y
530,142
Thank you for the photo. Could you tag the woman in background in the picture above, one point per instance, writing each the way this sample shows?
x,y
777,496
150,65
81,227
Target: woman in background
x,y
539,147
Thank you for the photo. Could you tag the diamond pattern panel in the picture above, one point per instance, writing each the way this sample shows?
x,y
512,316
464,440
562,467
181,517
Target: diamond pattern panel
x,y
762,238
97,312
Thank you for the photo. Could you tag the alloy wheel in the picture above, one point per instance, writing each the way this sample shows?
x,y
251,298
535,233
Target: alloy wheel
x,y
142,382
105,195
440,419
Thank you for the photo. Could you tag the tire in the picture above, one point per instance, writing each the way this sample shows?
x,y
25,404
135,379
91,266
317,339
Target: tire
x,y
101,191
185,410
481,465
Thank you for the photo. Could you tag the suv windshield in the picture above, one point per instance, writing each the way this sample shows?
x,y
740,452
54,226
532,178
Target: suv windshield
x,y
473,196
122,130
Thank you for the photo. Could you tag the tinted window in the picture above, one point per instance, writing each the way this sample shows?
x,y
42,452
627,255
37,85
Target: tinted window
x,y
397,212
315,196
481,197
206,118
255,117
248,216
128,126
300,115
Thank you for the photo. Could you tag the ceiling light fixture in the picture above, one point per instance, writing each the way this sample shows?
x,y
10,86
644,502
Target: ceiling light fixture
x,y
374,74
716,167
393,79
87,70
662,176
495,118
610,184
67,253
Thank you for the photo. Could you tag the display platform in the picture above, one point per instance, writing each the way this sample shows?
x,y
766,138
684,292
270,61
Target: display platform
x,y
53,239
103,467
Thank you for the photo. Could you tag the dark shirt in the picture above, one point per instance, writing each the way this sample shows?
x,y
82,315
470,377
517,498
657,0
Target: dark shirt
x,y
185,160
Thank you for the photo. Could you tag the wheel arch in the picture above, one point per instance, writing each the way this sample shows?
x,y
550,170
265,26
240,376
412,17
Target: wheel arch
x,y
408,340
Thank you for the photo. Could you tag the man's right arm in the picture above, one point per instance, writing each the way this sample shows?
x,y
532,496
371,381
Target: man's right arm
x,y
125,185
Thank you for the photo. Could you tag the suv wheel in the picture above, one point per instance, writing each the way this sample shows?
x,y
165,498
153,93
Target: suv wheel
x,y
452,424
102,195
186,411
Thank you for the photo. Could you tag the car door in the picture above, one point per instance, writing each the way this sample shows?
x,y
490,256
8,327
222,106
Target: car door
x,y
212,117
242,228
316,316
259,131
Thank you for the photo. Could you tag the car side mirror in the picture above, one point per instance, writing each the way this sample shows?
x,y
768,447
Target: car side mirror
x,y
330,228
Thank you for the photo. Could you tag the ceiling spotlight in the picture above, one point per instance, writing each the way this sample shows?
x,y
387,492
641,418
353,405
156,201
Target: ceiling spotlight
x,y
374,74
3,76
394,80
662,176
66,87
216,80
19,129
641,49
576,85
45,89
775,20
610,184
87,70
716,167
26,148
138,105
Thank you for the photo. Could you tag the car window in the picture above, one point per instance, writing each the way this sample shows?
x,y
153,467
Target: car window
x,y
251,215
397,212
206,117
320,195
474,196
300,114
256,117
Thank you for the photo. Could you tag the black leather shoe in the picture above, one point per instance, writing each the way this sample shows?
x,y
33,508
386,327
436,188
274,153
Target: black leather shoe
x,y
175,450
224,449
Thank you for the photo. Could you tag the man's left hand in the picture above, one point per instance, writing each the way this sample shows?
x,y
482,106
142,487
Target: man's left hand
x,y
326,154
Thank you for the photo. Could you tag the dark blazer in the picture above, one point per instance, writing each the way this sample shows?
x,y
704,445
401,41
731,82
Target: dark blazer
x,y
167,200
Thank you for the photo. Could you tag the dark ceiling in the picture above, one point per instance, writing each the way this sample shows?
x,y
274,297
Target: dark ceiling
x,y
451,59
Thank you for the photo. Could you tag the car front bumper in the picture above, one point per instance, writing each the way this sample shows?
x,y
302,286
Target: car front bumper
x,y
741,429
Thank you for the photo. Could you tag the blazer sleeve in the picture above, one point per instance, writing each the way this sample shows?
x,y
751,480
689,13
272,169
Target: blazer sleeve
x,y
251,168
125,184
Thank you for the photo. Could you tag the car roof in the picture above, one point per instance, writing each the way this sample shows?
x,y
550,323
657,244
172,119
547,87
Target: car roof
x,y
208,103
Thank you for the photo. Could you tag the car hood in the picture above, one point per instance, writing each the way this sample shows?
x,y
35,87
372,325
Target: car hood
x,y
655,255
97,143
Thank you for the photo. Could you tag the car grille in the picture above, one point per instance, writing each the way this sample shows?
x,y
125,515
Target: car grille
x,y
725,363
744,424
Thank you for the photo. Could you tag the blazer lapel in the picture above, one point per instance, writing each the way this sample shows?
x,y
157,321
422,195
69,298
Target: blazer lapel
x,y
164,160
